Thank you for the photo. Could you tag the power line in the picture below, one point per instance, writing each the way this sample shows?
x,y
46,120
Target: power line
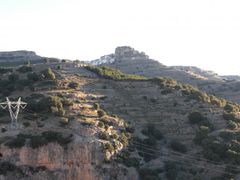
x,y
179,154
185,157
184,163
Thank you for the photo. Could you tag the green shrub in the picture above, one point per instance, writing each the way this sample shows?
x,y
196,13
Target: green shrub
x,y
51,104
131,129
48,137
231,108
132,162
233,156
149,174
26,124
96,106
13,77
48,74
37,141
214,149
229,116
5,70
232,125
123,139
151,141
86,124
60,112
64,121
109,147
227,135
151,131
6,167
166,91
165,82
73,85
101,124
33,76
3,130
196,117
101,113
171,170
17,142
115,136
104,135
67,102
178,146
201,135
24,69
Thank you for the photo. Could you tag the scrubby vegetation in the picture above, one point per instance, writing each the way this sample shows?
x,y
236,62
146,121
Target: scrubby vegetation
x,y
50,104
24,69
151,131
176,145
33,76
36,141
171,170
48,74
149,174
101,113
5,70
6,167
196,117
73,85
16,82
17,142
107,72
164,82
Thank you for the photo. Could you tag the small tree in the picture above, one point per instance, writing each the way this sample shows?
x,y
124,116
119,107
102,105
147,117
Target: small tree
x,y
178,146
49,74
96,106
196,117
73,85
101,113
33,76
13,77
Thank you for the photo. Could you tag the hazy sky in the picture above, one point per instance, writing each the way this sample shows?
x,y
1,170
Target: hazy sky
x,y
204,33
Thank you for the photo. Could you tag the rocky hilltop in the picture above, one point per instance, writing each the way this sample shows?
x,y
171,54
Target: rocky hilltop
x,y
131,61
15,58
18,56
126,52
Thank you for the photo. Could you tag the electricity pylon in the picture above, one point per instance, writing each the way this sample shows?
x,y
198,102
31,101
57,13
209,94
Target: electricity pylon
x,y
13,108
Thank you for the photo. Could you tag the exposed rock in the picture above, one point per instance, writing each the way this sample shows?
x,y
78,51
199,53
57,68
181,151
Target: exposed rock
x,y
18,56
128,52
75,162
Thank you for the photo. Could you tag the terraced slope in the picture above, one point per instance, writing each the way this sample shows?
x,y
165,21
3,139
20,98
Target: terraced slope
x,y
99,123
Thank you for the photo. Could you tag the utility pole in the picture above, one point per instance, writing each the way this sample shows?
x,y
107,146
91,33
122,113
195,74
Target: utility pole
x,y
13,108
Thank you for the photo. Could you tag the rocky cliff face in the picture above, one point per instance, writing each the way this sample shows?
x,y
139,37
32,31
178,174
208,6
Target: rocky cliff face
x,y
75,162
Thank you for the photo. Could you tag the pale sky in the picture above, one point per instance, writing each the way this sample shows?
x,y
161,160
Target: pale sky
x,y
203,33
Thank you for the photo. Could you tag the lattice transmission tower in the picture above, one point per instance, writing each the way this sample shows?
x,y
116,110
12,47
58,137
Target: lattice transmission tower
x,y
13,108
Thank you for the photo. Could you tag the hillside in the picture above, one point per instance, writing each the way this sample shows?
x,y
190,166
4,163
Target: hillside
x,y
95,123
131,61
15,58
